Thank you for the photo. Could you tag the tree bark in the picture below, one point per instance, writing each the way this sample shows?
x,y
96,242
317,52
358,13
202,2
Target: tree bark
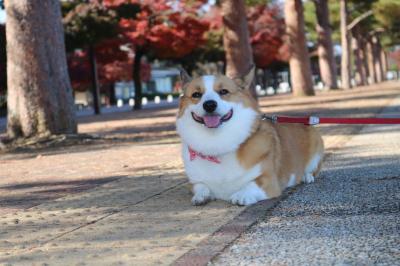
x,y
326,58
39,97
137,80
377,58
95,80
238,52
385,65
364,57
345,41
300,70
360,75
370,57
3,62
111,89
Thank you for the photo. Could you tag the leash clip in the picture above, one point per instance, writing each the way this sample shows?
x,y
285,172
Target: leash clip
x,y
272,118
313,120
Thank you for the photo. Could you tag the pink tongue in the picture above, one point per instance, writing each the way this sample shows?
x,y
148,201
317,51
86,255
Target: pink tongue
x,y
212,120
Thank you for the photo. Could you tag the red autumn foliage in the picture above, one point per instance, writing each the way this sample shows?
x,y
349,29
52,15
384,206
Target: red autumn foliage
x,y
159,30
112,65
164,32
395,57
214,18
122,71
167,31
267,30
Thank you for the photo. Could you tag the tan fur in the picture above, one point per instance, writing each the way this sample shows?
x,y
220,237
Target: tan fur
x,y
283,150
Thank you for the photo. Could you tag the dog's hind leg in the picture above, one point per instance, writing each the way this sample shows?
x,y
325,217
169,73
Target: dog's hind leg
x,y
312,168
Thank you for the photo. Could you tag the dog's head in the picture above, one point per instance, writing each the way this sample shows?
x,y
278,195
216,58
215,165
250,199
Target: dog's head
x,y
216,113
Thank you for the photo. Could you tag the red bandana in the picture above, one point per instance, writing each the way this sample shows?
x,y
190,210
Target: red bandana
x,y
194,154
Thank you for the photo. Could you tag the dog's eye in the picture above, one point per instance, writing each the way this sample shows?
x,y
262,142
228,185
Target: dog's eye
x,y
223,92
196,95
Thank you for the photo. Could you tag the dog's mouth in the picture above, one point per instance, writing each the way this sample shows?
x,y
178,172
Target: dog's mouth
x,y
212,121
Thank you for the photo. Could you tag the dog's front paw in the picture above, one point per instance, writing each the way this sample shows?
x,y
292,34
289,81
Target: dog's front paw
x,y
202,195
242,199
199,200
308,178
248,195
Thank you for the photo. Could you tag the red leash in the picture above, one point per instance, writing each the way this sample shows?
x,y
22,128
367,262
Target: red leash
x,y
314,120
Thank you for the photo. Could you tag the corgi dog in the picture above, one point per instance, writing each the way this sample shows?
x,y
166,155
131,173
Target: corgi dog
x,y
231,153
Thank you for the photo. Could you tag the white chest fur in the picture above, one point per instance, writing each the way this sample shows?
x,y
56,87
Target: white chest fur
x,y
224,178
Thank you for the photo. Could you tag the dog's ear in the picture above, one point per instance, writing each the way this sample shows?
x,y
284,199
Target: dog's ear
x,y
246,81
185,78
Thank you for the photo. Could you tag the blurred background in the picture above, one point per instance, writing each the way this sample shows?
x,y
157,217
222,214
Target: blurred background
x,y
126,54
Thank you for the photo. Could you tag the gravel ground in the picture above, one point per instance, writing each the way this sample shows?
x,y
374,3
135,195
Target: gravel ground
x,y
349,216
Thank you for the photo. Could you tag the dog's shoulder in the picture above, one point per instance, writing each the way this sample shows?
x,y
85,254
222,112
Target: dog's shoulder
x,y
263,141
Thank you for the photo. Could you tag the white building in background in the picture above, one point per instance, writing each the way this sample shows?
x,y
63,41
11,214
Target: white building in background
x,y
2,16
162,82
124,90
164,79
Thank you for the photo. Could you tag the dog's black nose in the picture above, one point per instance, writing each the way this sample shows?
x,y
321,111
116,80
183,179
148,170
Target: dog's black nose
x,y
210,106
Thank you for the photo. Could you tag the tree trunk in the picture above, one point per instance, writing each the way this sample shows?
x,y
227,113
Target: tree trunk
x,y
238,52
384,60
95,80
377,58
300,70
3,62
364,57
345,41
39,97
111,88
360,75
137,80
326,57
370,57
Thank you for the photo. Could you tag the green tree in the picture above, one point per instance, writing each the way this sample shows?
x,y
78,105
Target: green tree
x,y
387,15
310,20
374,31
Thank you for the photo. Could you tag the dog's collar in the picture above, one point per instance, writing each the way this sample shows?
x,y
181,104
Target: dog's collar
x,y
195,154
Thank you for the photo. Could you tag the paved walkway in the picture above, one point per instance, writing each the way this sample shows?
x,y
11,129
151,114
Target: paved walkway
x,y
124,199
350,216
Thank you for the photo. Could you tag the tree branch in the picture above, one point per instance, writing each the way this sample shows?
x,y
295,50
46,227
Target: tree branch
x,y
359,19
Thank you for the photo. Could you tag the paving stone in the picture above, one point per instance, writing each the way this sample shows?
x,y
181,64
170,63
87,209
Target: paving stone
x,y
159,229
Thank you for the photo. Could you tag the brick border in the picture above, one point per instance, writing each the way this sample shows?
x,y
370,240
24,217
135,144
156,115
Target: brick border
x,y
213,245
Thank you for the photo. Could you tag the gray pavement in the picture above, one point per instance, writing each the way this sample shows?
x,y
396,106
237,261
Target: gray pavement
x,y
349,216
